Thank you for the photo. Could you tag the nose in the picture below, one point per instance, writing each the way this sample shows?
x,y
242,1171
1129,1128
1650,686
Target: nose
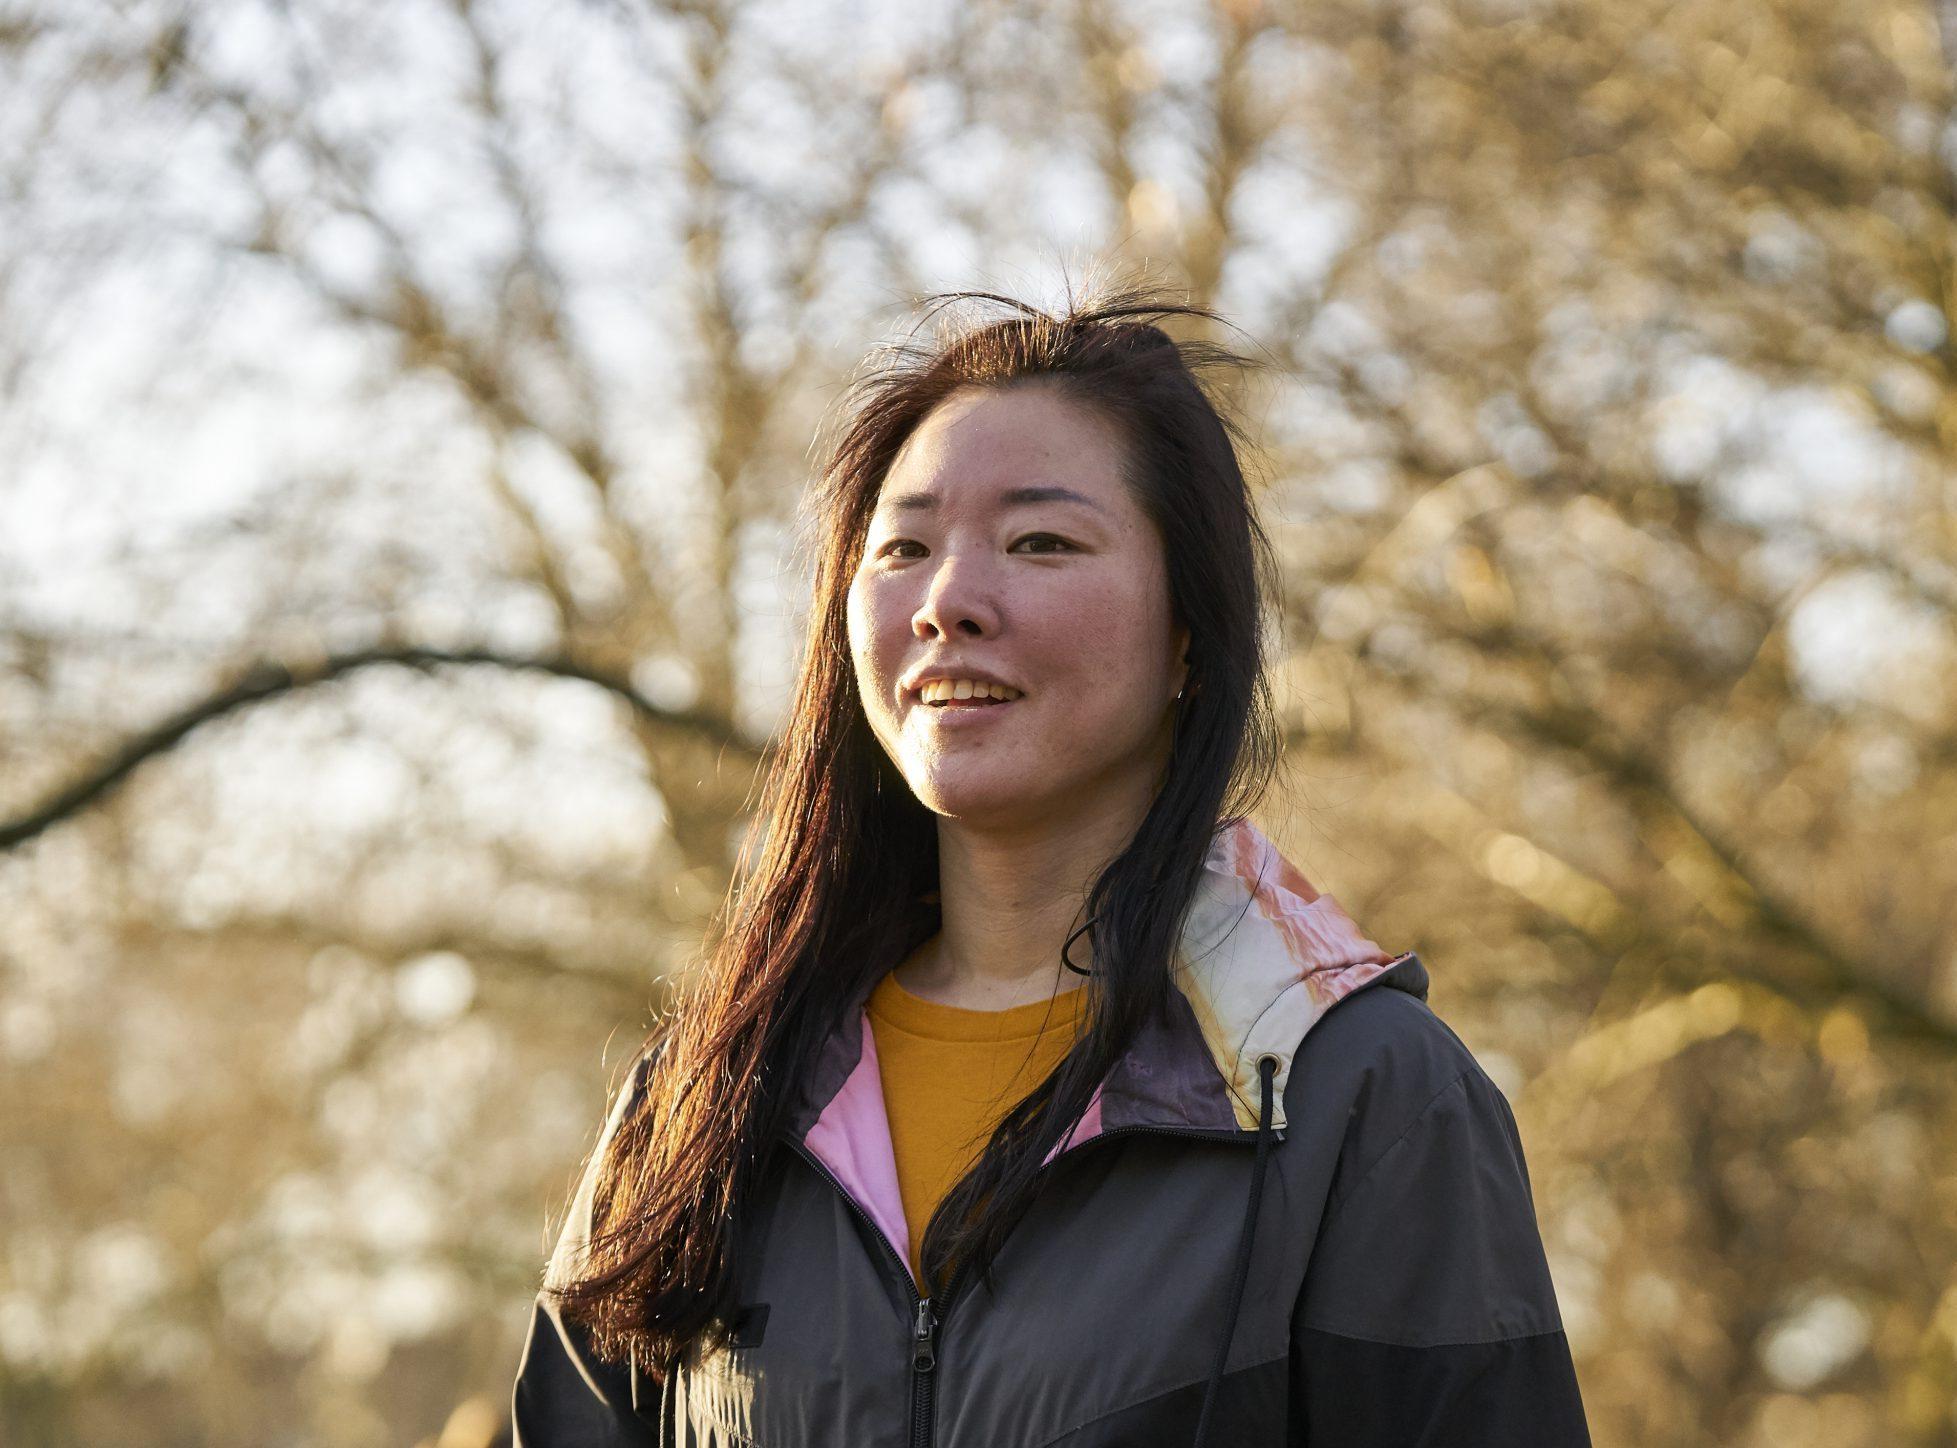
x,y
959,599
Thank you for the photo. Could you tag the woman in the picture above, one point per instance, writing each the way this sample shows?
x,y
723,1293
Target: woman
x,y
1030,1097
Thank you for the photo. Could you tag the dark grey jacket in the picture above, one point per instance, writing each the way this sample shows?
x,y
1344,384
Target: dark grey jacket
x,y
1297,1213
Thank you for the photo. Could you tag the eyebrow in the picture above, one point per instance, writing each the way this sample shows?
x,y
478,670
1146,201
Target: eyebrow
x,y
1011,498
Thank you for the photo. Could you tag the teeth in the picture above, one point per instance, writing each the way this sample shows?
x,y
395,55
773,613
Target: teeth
x,y
941,690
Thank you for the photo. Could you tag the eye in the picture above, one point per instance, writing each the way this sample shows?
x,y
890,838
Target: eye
x,y
888,550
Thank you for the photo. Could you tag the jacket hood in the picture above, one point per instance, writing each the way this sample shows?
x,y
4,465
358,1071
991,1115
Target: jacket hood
x,y
1263,957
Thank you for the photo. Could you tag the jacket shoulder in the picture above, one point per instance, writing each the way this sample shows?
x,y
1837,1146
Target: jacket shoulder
x,y
1382,1029
1371,1065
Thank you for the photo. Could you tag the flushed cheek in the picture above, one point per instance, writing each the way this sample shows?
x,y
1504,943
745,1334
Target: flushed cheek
x,y
1113,639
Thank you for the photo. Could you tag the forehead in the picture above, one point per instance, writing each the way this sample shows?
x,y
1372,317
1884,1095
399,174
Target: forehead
x,y
1007,447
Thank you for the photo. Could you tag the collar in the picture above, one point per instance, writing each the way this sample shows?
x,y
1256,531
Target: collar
x,y
1262,958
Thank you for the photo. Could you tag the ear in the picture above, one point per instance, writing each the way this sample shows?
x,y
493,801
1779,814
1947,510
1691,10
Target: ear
x,y
1181,653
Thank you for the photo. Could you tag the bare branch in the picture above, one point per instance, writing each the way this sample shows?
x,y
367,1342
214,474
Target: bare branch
x,y
270,680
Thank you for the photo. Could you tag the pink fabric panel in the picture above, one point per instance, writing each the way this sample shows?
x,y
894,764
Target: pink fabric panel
x,y
1084,1131
852,1138
1324,936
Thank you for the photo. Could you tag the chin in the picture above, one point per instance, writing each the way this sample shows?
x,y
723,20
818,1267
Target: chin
x,y
970,801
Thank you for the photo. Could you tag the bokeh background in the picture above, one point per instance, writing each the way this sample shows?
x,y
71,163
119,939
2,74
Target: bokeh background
x,y
404,412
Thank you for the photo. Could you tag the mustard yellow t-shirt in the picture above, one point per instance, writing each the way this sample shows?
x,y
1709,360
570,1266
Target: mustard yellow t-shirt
x,y
950,1075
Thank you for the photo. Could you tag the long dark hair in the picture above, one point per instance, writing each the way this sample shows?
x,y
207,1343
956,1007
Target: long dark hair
x,y
843,859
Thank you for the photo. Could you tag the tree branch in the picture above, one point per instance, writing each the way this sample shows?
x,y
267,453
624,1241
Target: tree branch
x,y
268,680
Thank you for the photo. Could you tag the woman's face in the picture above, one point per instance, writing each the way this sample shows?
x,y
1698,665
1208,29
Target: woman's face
x,y
1006,546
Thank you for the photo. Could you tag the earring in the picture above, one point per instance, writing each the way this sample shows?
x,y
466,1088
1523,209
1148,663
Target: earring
x,y
1065,959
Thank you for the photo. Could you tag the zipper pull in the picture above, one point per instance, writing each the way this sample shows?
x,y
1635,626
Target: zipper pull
x,y
924,1355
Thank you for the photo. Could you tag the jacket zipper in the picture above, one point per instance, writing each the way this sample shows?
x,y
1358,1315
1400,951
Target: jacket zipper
x,y
924,1323
928,1316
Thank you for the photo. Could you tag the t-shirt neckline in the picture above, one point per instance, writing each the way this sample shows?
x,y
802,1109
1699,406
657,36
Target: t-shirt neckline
x,y
894,1006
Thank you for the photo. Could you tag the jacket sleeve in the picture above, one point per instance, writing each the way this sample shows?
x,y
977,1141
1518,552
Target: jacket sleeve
x,y
1427,1318
565,1397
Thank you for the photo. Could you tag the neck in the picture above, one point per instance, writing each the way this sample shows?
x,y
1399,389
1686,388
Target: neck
x,y
1009,900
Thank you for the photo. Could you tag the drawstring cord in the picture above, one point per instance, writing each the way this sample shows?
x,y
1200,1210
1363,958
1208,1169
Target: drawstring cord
x,y
1266,1071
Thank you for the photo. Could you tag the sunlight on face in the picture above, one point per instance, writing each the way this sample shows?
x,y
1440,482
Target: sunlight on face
x,y
972,566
